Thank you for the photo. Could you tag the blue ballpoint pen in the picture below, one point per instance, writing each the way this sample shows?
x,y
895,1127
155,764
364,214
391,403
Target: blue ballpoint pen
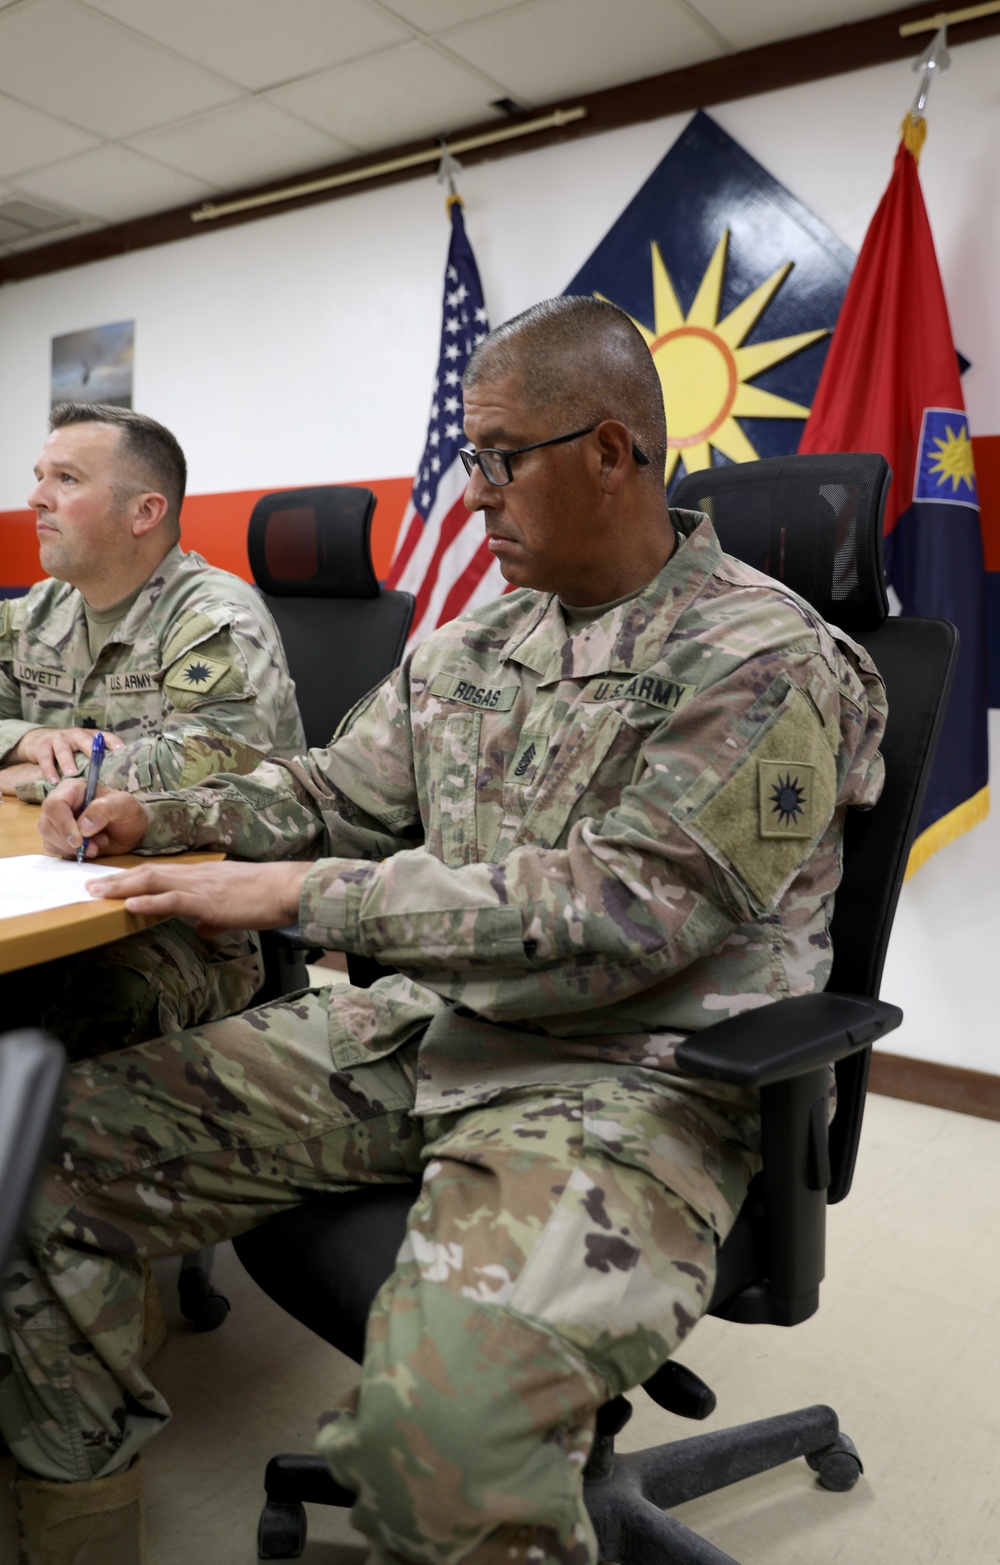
x,y
96,758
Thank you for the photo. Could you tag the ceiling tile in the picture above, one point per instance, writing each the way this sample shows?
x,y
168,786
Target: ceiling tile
x,y
433,16
243,145
548,51
746,26
114,184
28,138
61,57
260,43
389,98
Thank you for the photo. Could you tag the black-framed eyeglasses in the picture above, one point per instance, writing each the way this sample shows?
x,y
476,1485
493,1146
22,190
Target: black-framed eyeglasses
x,y
495,464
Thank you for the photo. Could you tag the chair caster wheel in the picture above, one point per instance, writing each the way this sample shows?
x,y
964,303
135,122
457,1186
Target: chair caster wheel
x,y
200,1303
837,1466
281,1531
211,1312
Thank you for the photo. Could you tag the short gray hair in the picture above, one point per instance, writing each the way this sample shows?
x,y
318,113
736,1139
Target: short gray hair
x,y
584,359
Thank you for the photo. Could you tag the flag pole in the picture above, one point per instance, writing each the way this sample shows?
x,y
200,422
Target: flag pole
x,y
934,61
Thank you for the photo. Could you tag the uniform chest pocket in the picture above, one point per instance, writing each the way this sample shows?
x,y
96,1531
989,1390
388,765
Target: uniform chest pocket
x,y
578,774
132,703
454,758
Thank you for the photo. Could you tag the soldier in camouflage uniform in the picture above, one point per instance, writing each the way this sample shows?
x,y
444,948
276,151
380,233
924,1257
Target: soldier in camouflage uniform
x,y
581,821
179,664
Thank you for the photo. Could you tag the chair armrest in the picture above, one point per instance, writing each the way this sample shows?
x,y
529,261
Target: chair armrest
x,y
786,1050
789,1038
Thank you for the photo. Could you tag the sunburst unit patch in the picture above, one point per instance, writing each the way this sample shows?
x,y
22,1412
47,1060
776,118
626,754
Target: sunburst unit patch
x,y
196,673
945,468
786,798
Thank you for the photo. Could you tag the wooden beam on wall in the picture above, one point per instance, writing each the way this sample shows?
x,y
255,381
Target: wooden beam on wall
x,y
789,63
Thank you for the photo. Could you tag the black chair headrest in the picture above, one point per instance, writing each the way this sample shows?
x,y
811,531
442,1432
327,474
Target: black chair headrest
x,y
812,522
314,543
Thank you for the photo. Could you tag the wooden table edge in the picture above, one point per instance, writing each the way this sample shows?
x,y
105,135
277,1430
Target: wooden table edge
x,y
28,939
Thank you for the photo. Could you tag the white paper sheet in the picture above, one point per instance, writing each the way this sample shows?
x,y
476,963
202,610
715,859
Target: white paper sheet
x,y
33,883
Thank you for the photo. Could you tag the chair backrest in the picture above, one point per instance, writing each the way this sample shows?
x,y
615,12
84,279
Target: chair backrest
x,y
31,1070
310,553
815,524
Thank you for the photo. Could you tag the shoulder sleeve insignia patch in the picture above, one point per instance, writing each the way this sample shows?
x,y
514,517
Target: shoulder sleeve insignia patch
x,y
196,674
786,798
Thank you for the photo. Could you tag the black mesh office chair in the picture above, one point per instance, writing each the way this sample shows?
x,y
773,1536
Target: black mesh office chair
x,y
31,1072
309,549
310,553
814,523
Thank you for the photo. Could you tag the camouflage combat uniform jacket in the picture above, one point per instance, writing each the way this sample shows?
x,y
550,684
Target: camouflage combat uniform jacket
x,y
574,847
193,679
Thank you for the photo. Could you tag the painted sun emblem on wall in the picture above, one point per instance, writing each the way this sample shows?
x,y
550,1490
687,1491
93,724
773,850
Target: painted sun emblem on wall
x,y
704,371
954,459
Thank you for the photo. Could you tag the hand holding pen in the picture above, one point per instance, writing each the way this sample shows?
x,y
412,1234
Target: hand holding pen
x,y
93,775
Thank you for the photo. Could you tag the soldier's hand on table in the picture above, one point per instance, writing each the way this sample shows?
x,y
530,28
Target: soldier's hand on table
x,y
55,750
213,897
115,821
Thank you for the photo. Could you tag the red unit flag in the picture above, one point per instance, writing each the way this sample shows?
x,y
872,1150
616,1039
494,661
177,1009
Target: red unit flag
x,y
891,384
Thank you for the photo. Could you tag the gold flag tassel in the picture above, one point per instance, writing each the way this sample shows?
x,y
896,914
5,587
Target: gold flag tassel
x,y
914,133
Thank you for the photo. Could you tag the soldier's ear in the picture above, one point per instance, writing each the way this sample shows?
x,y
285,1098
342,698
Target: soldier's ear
x,y
615,446
148,510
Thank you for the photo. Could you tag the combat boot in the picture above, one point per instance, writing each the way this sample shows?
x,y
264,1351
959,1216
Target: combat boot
x,y
100,1522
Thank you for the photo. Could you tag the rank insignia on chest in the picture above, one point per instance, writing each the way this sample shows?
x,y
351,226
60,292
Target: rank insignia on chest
x,y
524,764
786,798
196,673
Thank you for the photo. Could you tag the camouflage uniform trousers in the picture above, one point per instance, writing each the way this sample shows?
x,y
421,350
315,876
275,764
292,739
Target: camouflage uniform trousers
x,y
162,979
539,1275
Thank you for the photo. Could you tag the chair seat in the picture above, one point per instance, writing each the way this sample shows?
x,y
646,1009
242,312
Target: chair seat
x,y
324,1260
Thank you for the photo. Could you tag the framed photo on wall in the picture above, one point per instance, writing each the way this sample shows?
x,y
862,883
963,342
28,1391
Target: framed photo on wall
x,y
94,365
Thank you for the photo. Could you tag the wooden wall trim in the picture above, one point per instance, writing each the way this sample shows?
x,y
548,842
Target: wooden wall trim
x,y
789,63
940,1086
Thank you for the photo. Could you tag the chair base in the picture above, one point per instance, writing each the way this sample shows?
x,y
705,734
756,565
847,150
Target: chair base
x,y
200,1303
629,1508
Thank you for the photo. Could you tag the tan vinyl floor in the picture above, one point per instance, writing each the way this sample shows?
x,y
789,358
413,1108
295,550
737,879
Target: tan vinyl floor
x,y
906,1346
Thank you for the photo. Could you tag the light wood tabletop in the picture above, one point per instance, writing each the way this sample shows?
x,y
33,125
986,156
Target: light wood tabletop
x,y
62,931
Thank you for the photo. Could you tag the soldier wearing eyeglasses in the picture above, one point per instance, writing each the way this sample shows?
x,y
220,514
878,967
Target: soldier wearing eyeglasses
x,y
579,822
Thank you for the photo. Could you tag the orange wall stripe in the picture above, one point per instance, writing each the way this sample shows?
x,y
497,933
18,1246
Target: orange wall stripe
x,y
214,525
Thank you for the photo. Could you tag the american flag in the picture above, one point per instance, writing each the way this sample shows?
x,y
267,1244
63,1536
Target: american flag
x,y
441,554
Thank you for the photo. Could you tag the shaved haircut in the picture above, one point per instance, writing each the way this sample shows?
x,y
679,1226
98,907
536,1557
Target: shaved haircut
x,y
581,360
151,456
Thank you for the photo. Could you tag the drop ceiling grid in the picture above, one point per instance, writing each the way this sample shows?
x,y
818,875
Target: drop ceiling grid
x,y
121,108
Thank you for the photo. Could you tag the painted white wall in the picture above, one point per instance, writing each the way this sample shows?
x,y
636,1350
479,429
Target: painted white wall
x,y
300,348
